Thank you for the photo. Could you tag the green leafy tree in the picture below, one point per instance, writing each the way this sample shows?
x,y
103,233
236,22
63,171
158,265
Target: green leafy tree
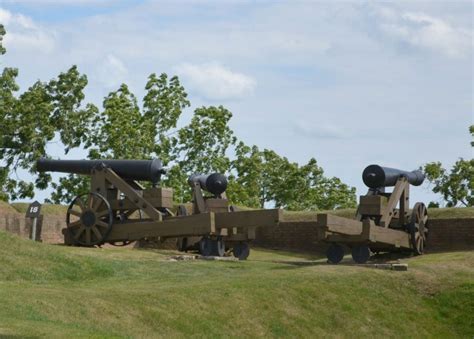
x,y
471,130
261,177
456,186
123,131
2,34
31,120
163,105
201,147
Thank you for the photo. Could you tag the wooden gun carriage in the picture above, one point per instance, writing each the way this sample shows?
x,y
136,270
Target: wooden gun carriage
x,y
119,210
379,225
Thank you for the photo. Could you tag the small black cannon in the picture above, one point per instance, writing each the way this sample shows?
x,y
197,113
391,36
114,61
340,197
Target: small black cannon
x,y
215,183
379,226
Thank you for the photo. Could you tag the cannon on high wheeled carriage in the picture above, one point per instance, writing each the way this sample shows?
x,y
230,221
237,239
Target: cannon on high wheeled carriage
x,y
379,226
119,210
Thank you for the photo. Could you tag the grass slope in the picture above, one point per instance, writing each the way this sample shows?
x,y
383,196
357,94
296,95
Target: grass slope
x,y
57,291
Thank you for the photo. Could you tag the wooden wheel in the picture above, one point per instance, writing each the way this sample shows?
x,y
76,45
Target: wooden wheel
x,y
418,227
205,246
360,253
89,219
335,253
218,247
241,250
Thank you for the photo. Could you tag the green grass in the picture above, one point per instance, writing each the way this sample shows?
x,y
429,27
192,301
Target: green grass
x,y
58,291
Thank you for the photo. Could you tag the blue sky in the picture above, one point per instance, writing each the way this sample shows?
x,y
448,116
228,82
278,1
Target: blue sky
x,y
349,83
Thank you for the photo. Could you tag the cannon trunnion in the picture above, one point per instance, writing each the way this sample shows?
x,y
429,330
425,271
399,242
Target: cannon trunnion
x,y
384,221
118,209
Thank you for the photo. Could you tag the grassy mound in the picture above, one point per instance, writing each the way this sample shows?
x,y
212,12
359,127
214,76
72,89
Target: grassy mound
x,y
58,291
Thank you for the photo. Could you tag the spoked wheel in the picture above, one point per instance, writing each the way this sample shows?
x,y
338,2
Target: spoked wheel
x,y
218,247
89,219
182,242
241,250
335,253
205,246
360,253
418,228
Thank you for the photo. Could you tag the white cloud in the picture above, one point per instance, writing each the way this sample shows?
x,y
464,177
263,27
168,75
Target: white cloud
x,y
214,81
425,31
321,130
112,71
24,34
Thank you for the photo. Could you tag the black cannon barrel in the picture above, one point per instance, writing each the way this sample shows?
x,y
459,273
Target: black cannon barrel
x,y
146,170
375,176
215,183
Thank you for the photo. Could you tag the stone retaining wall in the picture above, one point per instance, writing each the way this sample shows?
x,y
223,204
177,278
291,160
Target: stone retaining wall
x,y
444,235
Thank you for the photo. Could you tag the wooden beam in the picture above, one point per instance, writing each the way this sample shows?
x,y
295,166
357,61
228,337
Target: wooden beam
x,y
130,193
335,224
192,225
387,214
249,219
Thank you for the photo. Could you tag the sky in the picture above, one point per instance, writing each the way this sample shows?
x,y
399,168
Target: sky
x,y
348,83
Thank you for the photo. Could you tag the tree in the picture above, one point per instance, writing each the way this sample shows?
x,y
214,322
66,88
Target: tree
x,y
2,34
163,106
201,147
457,186
30,121
123,131
471,130
261,177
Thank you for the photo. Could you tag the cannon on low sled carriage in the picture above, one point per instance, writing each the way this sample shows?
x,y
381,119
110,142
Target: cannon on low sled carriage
x,y
379,226
118,209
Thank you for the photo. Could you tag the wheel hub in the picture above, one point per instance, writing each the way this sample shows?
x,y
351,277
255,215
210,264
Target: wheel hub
x,y
88,218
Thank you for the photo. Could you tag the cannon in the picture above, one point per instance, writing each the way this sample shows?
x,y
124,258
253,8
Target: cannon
x,y
145,170
119,209
375,176
379,226
215,184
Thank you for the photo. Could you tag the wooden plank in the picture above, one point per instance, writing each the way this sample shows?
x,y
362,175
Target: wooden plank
x,y
335,224
372,204
248,219
344,238
130,193
192,225
390,237
387,214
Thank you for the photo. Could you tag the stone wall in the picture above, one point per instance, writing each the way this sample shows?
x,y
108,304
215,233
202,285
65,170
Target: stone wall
x,y
445,234
50,226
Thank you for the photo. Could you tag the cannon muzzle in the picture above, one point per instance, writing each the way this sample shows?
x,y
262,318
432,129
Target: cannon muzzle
x,y
375,176
146,170
215,183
